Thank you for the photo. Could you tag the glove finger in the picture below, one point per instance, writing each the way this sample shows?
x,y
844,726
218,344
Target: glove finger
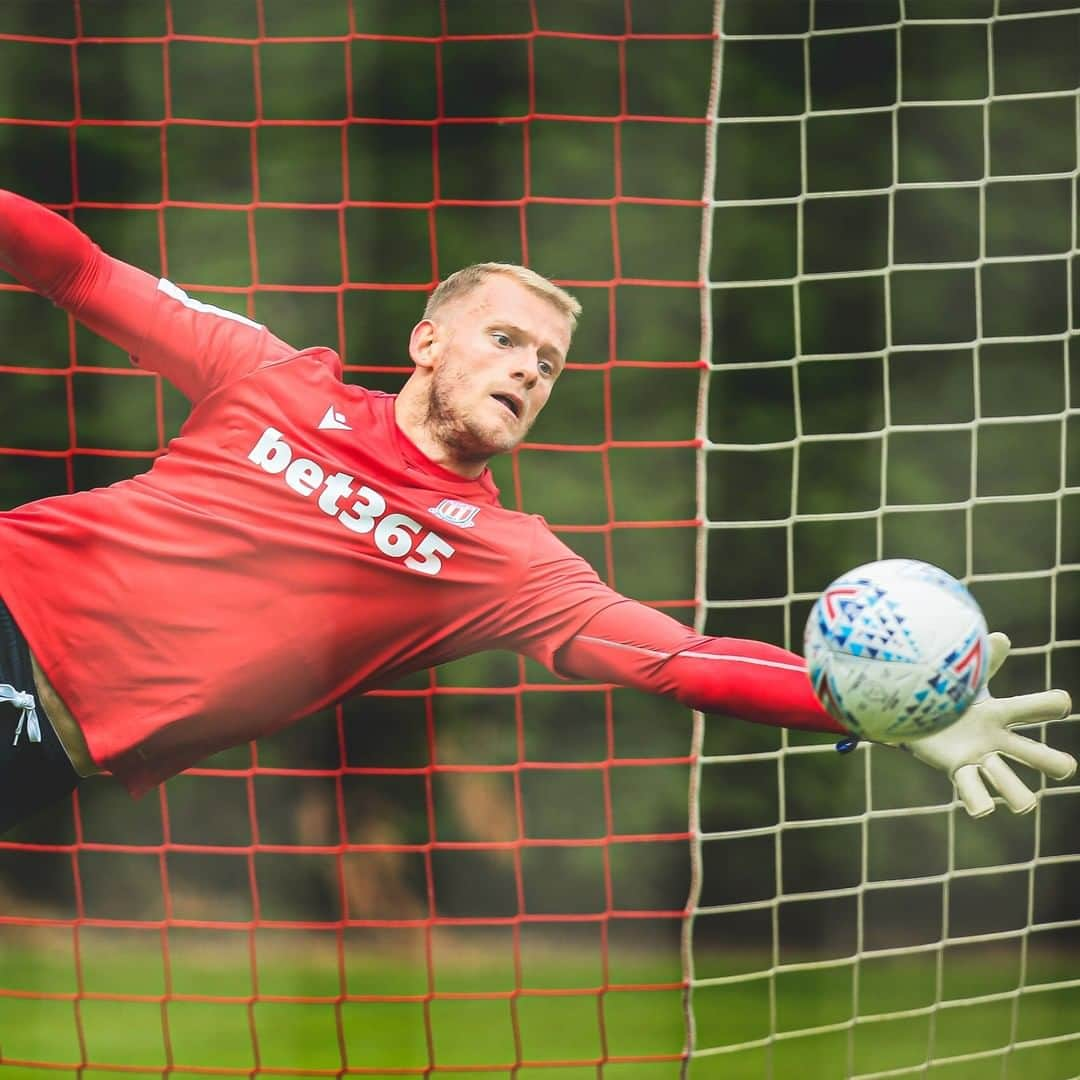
x,y
1054,763
1020,798
972,791
999,651
1035,708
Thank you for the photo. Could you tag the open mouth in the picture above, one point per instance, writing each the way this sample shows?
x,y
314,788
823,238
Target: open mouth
x,y
509,403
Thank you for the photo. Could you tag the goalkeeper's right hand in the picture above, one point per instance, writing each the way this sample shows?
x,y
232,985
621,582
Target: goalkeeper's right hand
x,y
971,750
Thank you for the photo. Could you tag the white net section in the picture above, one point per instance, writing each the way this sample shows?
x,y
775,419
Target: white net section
x,y
891,328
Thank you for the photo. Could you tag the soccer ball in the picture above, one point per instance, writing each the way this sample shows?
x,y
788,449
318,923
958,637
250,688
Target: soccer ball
x,y
896,650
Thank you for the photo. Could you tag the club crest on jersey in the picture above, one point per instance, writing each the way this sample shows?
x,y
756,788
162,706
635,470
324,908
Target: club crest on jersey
x,y
456,512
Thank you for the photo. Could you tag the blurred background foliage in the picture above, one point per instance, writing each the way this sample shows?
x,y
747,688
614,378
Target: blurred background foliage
x,y
894,301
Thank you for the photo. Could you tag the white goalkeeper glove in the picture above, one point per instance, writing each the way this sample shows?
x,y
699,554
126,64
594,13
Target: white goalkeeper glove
x,y
970,750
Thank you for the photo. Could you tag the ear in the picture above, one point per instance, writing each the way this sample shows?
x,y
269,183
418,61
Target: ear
x,y
424,344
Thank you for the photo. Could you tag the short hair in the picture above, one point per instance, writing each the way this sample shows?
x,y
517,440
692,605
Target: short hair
x,y
463,281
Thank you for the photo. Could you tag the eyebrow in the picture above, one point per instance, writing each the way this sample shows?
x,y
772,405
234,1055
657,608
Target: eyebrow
x,y
521,332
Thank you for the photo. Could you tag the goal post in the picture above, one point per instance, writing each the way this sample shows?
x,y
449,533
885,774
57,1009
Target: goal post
x,y
890,315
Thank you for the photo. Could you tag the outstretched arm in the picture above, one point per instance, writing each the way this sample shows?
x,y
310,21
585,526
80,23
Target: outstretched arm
x,y
633,645
195,346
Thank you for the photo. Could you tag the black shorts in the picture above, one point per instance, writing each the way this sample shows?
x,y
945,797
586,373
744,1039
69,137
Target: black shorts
x,y
33,775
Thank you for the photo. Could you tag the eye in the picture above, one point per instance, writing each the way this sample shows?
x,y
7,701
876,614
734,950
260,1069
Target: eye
x,y
503,340
546,368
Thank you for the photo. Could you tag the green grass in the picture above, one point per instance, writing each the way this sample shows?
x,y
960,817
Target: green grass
x,y
473,1036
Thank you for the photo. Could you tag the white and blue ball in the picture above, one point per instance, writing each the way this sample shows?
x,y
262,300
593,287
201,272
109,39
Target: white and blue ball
x,y
896,649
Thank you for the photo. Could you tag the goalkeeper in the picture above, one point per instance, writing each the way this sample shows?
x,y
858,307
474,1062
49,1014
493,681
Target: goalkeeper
x,y
303,539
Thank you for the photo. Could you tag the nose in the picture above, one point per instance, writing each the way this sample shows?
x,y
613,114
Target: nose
x,y
526,368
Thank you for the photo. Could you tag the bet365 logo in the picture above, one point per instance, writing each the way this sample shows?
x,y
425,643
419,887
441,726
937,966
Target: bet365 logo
x,y
395,535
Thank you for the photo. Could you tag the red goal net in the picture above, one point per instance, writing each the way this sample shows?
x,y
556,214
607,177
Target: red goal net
x,y
483,869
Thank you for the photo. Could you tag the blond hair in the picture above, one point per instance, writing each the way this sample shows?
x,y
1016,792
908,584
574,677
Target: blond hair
x,y
463,281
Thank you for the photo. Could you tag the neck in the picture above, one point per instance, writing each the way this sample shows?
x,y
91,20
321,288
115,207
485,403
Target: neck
x,y
413,416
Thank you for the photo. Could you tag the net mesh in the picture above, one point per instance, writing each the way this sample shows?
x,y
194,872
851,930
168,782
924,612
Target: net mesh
x,y
455,874
890,252
484,870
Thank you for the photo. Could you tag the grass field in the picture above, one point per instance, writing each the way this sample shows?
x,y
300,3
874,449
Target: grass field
x,y
475,1036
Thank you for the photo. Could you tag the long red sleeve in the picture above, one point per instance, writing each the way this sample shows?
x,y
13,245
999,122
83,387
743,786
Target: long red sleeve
x,y
48,254
196,346
632,645
43,250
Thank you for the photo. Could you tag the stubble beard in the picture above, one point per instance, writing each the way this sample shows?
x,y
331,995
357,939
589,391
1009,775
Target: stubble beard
x,y
467,439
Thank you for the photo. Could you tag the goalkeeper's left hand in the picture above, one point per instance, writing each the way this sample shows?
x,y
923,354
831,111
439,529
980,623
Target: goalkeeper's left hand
x,y
970,750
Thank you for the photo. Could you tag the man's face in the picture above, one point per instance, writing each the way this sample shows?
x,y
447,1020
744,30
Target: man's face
x,y
499,350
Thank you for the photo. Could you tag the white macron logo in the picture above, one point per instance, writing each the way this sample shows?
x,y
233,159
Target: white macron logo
x,y
333,421
455,512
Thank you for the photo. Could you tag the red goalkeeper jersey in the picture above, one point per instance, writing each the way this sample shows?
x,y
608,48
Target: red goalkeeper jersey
x,y
292,547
